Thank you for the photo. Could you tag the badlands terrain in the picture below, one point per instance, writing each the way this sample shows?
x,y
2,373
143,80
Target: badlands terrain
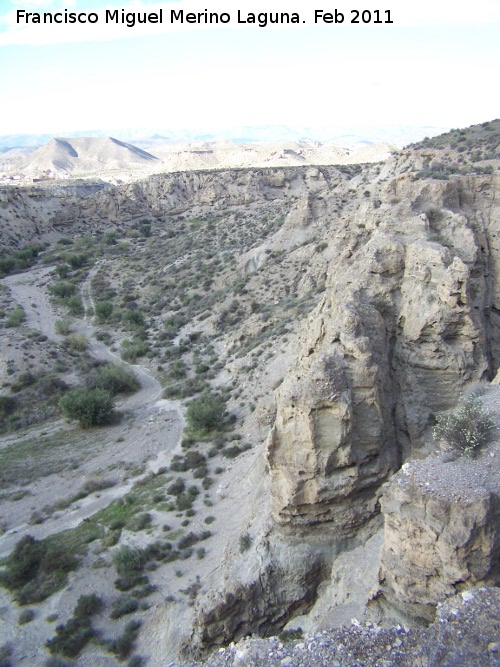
x,y
270,348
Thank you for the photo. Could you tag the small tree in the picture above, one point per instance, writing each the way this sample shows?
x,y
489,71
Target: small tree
x,y
90,407
206,413
145,229
103,310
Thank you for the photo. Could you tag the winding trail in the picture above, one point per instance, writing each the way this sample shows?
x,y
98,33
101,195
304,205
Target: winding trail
x,y
27,289
146,437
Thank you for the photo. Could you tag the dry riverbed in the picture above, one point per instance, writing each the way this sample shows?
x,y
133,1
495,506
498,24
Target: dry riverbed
x,y
65,479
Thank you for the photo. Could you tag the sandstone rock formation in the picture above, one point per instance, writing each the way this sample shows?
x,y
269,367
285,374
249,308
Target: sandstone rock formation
x,y
442,533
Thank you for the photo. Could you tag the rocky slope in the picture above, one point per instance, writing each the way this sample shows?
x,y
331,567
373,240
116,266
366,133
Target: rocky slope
x,y
464,633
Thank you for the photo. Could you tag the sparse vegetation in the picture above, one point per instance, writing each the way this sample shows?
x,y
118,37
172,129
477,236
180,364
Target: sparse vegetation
x,y
467,428
36,569
216,329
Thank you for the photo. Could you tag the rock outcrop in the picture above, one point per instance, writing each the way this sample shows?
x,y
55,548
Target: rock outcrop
x,y
441,531
400,332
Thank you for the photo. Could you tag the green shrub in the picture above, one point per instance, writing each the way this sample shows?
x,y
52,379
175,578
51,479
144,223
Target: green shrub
x,y
139,522
131,350
103,310
5,655
55,661
63,290
24,562
434,215
87,606
145,229
34,570
7,265
291,635
466,429
135,661
245,542
124,605
74,304
115,379
62,327
23,380
62,270
15,318
90,407
70,638
7,406
77,261
128,559
26,616
177,487
206,413
110,237
77,342
123,645
130,580
133,319
19,259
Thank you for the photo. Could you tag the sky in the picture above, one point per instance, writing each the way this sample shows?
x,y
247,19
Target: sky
x,y
437,64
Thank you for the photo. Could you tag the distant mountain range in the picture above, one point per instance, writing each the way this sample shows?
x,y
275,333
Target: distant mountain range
x,y
114,160
399,135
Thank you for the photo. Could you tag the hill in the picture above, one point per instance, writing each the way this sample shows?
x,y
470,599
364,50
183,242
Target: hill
x,y
85,154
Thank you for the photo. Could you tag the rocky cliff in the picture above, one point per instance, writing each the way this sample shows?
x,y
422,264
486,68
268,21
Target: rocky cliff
x,y
408,320
442,529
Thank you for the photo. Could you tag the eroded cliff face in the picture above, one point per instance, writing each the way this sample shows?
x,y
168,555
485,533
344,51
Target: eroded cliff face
x,y
405,325
332,442
31,212
408,320
441,533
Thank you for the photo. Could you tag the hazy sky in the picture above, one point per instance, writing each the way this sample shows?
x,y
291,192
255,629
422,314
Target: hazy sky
x,y
437,64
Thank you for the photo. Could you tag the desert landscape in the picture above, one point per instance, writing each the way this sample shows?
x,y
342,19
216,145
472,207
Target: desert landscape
x,y
250,403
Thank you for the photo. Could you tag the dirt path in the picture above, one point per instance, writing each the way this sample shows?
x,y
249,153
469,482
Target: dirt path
x,y
28,290
146,437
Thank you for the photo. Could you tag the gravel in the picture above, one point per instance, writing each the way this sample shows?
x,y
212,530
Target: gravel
x,y
466,633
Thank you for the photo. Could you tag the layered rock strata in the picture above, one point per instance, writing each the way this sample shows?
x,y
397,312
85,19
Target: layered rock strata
x,y
441,532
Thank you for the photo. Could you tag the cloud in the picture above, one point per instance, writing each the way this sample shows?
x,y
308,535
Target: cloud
x,y
424,13
42,5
